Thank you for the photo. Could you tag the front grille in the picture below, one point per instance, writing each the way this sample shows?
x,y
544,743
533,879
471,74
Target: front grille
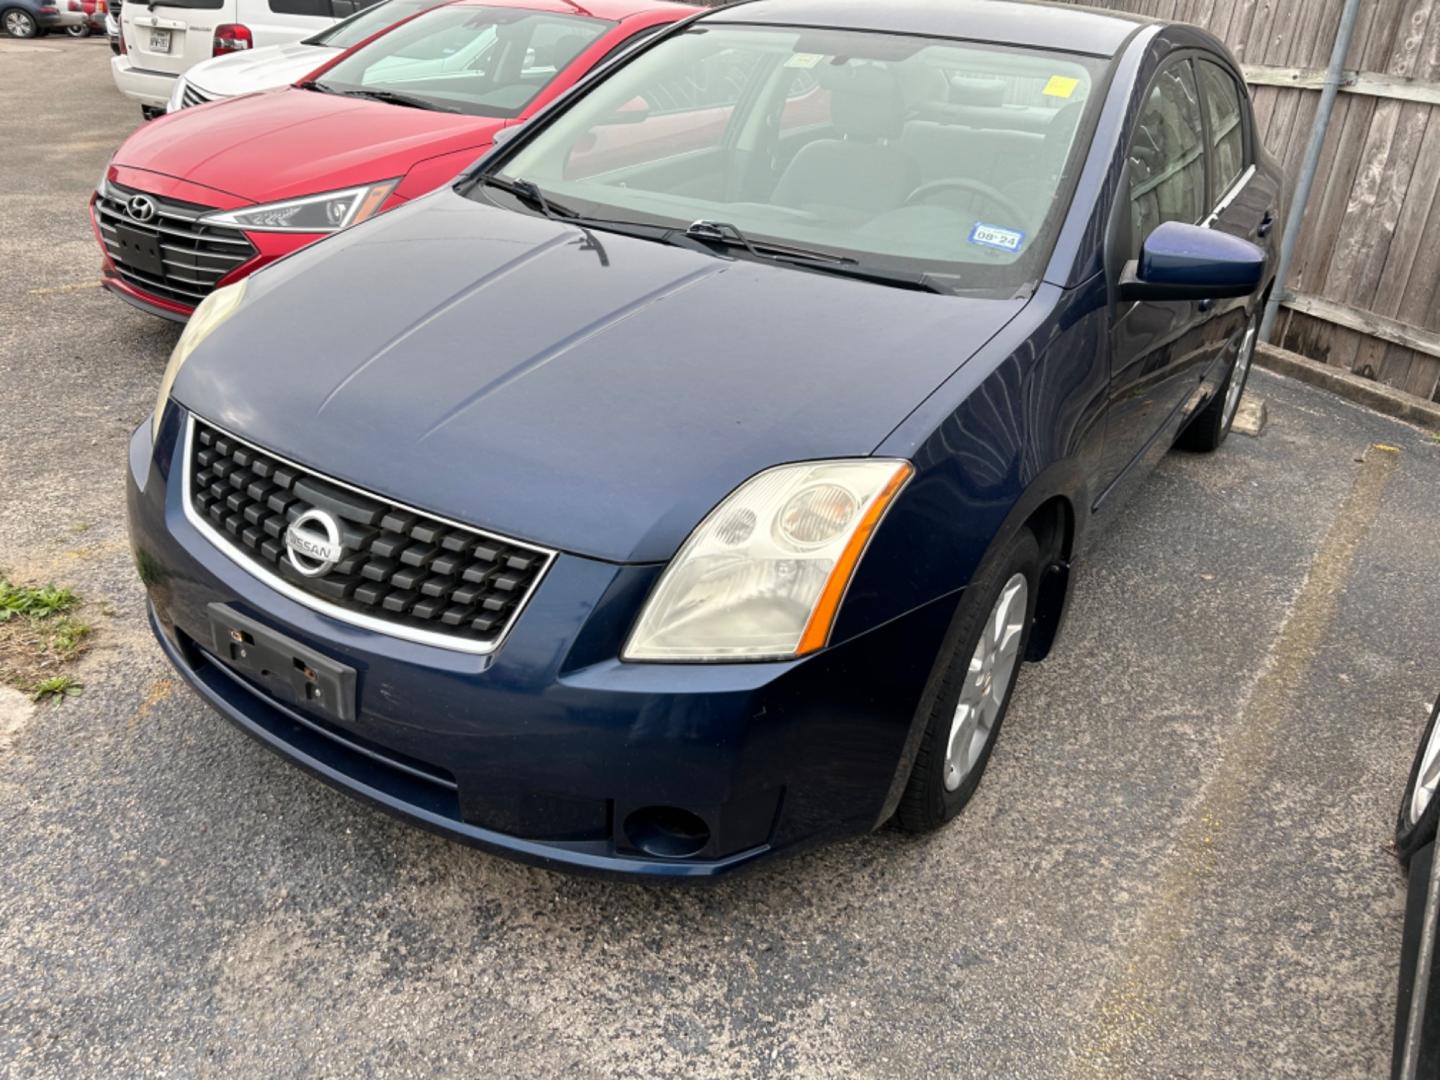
x,y
403,571
190,96
193,257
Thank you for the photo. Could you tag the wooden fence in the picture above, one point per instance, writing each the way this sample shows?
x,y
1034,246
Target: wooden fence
x,y
1366,281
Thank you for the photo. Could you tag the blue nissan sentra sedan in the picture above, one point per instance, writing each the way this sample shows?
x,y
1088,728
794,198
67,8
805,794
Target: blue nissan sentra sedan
x,y
687,482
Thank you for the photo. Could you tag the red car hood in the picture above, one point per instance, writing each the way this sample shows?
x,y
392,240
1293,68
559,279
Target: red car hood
x,y
286,143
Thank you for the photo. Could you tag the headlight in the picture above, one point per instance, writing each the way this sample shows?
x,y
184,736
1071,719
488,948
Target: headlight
x,y
177,96
763,576
211,312
314,213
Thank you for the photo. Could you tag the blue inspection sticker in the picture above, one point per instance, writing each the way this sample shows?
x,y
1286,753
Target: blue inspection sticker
x,y
995,236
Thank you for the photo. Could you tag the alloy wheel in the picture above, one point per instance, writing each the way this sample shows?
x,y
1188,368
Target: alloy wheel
x,y
19,24
1242,368
987,681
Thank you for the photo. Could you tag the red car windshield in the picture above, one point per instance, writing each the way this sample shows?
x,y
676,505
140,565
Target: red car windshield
x,y
476,60
348,33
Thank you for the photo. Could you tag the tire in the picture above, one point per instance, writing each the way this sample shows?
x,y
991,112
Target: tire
x,y
1411,834
941,783
19,23
1211,424
81,31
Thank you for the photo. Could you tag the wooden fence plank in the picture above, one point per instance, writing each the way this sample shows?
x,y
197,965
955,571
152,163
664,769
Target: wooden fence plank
x,y
1369,84
1367,322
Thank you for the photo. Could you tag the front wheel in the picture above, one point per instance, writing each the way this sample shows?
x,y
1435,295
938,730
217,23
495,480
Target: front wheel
x,y
19,23
81,31
1420,809
1211,424
977,675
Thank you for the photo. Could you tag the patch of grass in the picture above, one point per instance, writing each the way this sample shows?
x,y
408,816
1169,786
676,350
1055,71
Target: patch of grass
x,y
56,688
39,637
39,603
66,638
1433,437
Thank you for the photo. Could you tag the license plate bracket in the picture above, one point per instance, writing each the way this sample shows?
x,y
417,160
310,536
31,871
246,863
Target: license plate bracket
x,y
160,41
286,669
139,250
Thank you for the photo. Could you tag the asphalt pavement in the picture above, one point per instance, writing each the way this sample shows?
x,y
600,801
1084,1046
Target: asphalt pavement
x,y
1176,865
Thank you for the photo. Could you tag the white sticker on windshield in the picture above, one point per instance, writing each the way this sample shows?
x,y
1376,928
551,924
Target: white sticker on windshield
x,y
804,60
994,236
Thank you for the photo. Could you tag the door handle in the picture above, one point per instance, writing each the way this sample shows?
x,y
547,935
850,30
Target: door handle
x,y
1266,224
1206,304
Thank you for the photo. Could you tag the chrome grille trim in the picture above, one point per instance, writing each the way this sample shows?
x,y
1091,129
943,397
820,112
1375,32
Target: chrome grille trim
x,y
193,255
237,555
191,96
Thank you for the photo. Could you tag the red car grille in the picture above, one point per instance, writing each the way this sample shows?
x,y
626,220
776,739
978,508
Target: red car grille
x,y
192,257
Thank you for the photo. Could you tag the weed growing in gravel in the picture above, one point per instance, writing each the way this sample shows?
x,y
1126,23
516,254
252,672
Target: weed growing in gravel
x,y
66,638
19,600
56,688
38,637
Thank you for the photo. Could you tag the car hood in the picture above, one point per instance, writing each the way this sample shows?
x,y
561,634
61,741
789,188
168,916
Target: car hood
x,y
268,68
290,142
589,392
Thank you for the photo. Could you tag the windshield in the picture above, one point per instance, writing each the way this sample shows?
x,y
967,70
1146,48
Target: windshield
x,y
350,32
918,155
477,60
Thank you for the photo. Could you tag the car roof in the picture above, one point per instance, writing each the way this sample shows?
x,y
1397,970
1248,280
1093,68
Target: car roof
x,y
1012,22
613,10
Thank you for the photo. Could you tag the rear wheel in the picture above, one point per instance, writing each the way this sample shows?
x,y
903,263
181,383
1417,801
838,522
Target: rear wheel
x,y
19,23
1211,424
977,675
81,31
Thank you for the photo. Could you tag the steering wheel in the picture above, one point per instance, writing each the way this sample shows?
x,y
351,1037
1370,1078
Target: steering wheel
x,y
961,183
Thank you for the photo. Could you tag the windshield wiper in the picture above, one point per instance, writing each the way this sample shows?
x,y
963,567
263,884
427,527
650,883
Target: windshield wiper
x,y
391,97
318,86
726,235
529,192
705,236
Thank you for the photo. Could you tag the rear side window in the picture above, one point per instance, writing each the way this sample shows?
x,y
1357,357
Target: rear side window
x,y
343,9
1167,155
1227,129
318,9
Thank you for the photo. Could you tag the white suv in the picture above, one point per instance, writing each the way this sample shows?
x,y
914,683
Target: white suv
x,y
274,66
159,43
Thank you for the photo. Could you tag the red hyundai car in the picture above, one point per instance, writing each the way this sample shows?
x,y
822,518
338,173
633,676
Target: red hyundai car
x,y
200,198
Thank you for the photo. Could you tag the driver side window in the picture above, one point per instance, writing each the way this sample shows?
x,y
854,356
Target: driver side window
x,y
1167,156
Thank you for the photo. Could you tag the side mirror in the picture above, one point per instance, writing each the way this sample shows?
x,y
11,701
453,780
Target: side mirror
x,y
505,134
634,111
1190,262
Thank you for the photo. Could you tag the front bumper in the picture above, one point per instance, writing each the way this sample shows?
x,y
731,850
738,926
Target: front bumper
x,y
543,750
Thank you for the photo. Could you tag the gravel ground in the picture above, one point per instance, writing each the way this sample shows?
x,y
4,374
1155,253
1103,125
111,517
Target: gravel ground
x,y
1177,864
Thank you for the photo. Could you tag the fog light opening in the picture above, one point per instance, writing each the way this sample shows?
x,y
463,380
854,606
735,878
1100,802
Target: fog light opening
x,y
667,832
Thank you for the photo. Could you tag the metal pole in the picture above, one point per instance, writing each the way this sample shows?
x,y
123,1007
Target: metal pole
x,y
1334,76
